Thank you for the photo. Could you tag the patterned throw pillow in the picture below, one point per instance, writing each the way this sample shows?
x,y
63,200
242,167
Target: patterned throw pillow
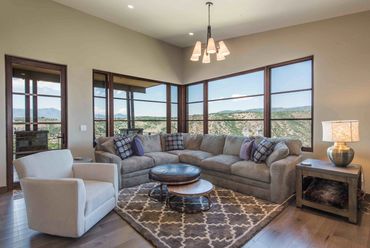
x,y
123,146
263,150
174,141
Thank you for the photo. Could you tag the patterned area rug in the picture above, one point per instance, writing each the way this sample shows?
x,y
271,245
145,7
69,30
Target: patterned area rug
x,y
233,219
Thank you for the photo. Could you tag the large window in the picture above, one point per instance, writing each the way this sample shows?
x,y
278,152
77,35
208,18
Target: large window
x,y
195,111
236,105
275,101
291,101
122,103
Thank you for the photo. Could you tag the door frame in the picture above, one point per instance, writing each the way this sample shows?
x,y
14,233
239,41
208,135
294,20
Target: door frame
x,y
9,62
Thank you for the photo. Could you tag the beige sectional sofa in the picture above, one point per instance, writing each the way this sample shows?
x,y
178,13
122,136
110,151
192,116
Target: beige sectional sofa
x,y
218,158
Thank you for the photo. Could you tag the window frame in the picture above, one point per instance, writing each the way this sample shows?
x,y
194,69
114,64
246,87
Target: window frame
x,y
129,98
266,94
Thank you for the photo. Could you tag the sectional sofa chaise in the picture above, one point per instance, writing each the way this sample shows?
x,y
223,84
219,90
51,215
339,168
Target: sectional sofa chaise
x,y
218,158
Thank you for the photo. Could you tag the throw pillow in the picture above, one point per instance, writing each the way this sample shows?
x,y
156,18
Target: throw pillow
x,y
137,147
280,151
263,150
246,149
123,146
108,146
174,141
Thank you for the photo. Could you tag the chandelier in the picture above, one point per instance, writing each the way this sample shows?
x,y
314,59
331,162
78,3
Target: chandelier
x,y
210,47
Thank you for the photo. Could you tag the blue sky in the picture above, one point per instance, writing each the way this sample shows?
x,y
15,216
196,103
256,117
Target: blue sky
x,y
291,77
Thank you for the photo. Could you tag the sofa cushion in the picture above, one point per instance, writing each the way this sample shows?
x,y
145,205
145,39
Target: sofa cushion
x,y
179,152
280,151
246,149
192,141
97,193
99,141
151,143
174,141
137,147
162,157
123,146
136,163
108,146
263,150
194,157
221,163
294,145
233,144
213,143
251,170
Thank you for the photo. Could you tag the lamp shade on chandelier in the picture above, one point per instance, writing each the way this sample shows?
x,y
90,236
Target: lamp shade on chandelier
x,y
211,46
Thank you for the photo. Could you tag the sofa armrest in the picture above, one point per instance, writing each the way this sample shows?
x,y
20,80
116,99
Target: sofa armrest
x,y
105,172
283,178
55,206
106,157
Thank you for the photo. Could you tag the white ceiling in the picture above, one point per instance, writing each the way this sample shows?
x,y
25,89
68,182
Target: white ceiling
x,y
172,20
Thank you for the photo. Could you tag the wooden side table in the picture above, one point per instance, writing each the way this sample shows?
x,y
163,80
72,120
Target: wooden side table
x,y
326,170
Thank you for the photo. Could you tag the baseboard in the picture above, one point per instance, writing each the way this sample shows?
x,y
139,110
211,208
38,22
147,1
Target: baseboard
x,y
3,189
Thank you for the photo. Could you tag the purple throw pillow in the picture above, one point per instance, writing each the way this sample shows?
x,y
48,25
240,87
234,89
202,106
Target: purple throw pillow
x,y
137,147
246,149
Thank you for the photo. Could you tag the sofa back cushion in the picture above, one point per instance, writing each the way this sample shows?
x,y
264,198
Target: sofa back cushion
x,y
108,146
280,151
213,143
294,145
99,141
233,144
151,143
192,141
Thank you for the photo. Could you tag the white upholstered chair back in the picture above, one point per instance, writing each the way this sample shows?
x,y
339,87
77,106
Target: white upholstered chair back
x,y
50,165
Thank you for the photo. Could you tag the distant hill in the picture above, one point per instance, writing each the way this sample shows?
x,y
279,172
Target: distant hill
x,y
259,110
53,113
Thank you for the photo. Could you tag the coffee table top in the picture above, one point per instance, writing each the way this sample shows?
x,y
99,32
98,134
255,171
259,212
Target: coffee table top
x,y
200,187
174,173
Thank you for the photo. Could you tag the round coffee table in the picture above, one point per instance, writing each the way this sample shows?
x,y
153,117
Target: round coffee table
x,y
171,174
184,196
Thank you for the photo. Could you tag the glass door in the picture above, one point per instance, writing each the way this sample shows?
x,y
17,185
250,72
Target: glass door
x,y
37,106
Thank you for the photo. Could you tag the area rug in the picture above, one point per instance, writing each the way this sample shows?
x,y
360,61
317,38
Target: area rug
x,y
233,219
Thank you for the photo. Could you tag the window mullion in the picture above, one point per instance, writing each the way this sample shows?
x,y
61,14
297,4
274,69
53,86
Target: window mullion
x,y
267,103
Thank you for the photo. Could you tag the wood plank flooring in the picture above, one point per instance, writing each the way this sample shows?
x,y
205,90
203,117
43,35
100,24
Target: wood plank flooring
x,y
294,227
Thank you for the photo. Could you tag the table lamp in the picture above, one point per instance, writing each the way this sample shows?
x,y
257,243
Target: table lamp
x,y
340,132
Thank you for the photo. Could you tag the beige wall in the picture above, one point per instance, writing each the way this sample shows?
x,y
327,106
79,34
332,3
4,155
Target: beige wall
x,y
341,49
48,31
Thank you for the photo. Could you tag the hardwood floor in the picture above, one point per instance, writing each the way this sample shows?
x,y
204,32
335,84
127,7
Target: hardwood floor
x,y
293,228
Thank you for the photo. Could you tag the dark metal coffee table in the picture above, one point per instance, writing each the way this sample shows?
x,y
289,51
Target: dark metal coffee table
x,y
171,174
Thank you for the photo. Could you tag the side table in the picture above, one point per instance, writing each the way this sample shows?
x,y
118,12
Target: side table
x,y
326,170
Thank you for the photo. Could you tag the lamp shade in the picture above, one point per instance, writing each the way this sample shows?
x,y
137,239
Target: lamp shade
x,y
220,56
197,49
194,58
223,48
206,58
340,131
211,47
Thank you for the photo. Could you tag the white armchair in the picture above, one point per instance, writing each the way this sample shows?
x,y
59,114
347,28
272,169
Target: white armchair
x,y
63,198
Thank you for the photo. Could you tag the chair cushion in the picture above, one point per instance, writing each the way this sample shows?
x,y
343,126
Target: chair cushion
x,y
194,157
213,144
123,146
174,141
97,193
151,143
251,170
221,163
136,163
192,141
162,157
233,144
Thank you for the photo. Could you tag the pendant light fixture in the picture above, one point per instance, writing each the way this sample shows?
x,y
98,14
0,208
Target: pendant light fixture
x,y
210,47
